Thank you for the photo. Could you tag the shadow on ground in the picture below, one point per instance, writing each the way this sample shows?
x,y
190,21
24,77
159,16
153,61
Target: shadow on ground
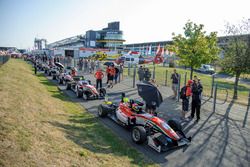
x,y
218,138
85,131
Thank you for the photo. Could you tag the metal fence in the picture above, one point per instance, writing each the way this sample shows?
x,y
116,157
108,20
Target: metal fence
x,y
224,88
4,59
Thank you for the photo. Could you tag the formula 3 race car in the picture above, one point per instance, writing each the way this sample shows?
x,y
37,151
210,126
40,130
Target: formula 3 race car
x,y
84,89
159,134
64,76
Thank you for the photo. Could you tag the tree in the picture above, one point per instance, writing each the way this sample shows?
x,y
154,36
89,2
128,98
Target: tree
x,y
195,47
237,52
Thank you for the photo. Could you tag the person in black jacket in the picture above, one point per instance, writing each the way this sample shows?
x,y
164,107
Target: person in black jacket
x,y
196,98
147,74
35,66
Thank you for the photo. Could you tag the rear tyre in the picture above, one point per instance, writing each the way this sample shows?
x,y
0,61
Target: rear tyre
x,y
59,81
139,134
175,125
68,86
79,93
101,111
102,92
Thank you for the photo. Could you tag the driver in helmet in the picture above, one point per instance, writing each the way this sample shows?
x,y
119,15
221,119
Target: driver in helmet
x,y
73,72
124,98
136,108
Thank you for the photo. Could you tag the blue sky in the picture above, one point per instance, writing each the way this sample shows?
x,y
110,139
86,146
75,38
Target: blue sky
x,y
141,20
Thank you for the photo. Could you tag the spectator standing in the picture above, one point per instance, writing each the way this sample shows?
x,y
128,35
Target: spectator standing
x,y
80,64
140,73
121,71
197,89
186,92
92,64
117,72
89,66
111,76
175,83
107,73
97,62
54,60
85,65
99,75
147,74
35,66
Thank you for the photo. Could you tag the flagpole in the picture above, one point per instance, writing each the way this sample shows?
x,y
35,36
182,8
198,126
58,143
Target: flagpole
x,y
154,70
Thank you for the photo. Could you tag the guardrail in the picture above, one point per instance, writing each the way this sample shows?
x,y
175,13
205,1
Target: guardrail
x,y
4,59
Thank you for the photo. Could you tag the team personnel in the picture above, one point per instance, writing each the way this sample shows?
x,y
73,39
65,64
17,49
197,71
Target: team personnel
x,y
196,99
99,75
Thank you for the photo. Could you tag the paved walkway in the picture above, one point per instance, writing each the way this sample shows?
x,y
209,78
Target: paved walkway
x,y
221,138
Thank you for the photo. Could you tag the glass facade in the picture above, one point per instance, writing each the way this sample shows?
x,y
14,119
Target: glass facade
x,y
110,37
113,36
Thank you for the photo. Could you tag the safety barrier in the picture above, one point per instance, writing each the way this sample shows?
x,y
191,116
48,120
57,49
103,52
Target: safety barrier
x,y
4,59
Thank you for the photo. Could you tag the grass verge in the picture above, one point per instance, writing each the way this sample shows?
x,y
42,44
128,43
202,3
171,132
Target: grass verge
x,y
40,126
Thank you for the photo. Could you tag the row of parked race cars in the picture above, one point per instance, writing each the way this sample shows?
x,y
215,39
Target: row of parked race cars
x,y
77,83
159,134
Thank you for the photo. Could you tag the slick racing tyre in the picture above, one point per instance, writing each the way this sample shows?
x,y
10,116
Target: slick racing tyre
x,y
59,81
102,92
68,86
79,93
139,134
102,112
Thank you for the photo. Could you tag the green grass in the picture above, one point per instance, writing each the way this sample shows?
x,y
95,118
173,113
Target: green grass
x,y
223,85
40,126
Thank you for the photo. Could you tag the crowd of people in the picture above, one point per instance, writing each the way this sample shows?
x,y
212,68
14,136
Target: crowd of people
x,y
88,65
113,72
144,74
3,53
192,90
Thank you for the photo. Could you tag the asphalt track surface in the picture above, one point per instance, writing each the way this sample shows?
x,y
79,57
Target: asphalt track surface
x,y
217,140
125,134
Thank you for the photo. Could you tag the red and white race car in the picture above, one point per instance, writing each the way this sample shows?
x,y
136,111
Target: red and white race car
x,y
84,89
159,134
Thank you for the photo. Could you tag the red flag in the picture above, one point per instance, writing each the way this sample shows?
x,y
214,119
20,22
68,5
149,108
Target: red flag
x,y
159,56
167,52
162,52
158,49
149,50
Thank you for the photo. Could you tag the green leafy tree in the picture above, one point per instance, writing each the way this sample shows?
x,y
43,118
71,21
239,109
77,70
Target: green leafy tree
x,y
195,47
237,52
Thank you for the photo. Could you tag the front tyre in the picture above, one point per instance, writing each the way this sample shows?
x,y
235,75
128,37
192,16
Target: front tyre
x,y
139,134
84,96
